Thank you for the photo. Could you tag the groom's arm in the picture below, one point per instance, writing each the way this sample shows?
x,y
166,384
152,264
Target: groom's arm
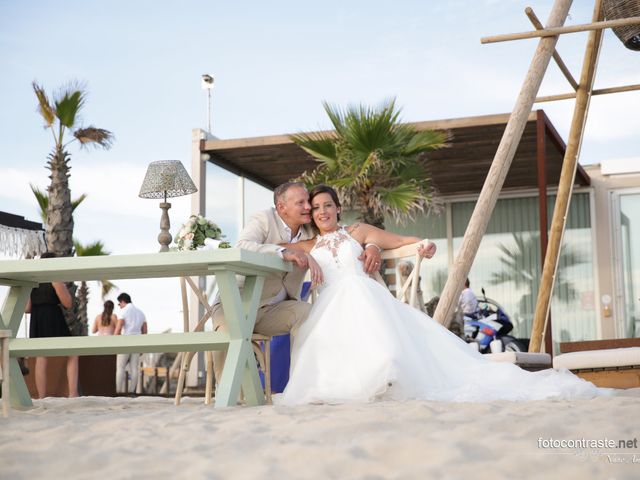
x,y
254,235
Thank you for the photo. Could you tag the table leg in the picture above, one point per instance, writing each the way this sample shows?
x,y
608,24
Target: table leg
x,y
240,316
4,370
10,317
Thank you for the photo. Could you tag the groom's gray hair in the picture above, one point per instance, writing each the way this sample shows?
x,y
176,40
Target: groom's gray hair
x,y
281,190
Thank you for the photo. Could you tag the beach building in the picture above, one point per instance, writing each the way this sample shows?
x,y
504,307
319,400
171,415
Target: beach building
x,y
598,282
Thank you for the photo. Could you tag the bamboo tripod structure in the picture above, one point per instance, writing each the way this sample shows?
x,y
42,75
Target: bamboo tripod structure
x,y
509,142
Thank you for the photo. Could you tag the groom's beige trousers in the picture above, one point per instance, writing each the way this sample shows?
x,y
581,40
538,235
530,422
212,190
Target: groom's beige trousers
x,y
279,319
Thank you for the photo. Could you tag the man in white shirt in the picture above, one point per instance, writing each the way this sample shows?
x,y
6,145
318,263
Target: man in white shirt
x,y
131,321
468,301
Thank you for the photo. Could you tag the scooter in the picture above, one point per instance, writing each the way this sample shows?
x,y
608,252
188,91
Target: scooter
x,y
491,323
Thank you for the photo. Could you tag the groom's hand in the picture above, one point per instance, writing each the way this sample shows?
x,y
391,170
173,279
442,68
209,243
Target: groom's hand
x,y
371,259
296,256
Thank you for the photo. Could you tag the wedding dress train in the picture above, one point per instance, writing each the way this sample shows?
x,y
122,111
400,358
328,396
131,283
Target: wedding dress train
x,y
360,344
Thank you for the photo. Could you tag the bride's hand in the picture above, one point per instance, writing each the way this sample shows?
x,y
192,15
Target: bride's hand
x,y
371,259
428,250
315,271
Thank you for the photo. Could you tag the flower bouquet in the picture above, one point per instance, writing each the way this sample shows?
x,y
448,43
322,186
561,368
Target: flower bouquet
x,y
199,233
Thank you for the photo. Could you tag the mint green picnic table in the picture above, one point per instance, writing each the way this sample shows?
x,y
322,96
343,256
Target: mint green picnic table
x,y
240,311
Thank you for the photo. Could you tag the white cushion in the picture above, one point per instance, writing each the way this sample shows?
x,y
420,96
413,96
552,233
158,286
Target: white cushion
x,y
520,358
611,358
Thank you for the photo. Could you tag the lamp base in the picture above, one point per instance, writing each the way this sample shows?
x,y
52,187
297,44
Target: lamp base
x,y
164,238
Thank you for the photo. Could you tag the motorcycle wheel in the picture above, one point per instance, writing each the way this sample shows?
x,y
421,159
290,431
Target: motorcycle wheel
x,y
512,344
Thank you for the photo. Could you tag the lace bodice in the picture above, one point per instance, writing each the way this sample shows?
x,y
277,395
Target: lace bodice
x,y
337,254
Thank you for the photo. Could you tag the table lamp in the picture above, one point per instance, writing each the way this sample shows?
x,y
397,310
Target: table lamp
x,y
166,178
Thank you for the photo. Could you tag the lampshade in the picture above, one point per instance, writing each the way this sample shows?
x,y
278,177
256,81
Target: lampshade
x,y
166,178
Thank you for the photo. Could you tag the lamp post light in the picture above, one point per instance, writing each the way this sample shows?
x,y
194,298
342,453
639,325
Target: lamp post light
x,y
207,84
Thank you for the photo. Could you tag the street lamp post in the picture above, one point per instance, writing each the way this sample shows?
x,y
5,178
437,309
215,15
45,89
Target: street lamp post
x,y
207,84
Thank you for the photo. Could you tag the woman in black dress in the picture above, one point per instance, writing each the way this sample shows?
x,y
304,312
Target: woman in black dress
x,y
47,320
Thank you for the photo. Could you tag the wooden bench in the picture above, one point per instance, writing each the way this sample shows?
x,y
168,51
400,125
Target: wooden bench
x,y
241,307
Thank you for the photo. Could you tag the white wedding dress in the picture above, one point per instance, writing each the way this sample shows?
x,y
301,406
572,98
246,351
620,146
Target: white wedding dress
x,y
361,344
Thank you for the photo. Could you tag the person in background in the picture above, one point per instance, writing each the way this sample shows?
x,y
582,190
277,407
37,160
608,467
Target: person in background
x,y
130,322
47,320
105,323
468,302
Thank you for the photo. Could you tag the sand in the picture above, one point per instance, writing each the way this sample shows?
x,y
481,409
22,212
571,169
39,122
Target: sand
x,y
148,437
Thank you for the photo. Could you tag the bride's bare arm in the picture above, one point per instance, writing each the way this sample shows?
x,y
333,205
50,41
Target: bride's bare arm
x,y
367,234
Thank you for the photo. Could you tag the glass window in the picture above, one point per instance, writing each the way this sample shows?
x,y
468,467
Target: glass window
x,y
508,265
630,229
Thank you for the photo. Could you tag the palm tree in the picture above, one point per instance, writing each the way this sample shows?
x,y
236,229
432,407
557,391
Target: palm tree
x,y
373,161
61,116
43,202
88,250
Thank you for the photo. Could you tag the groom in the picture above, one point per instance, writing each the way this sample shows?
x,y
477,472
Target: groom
x,y
281,311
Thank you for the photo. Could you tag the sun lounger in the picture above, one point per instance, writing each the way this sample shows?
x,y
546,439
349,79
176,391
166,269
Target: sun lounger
x,y
614,367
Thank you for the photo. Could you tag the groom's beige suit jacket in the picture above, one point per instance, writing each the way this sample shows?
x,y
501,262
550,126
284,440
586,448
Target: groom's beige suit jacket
x,y
264,233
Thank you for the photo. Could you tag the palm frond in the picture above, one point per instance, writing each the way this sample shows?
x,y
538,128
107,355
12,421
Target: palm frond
x,y
43,201
402,199
75,203
426,141
318,145
336,116
44,105
68,106
369,130
94,136
107,286
93,249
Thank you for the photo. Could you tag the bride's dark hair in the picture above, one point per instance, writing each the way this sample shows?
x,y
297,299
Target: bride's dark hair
x,y
318,189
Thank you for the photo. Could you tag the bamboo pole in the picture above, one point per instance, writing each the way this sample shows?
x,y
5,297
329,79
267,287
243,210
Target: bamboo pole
x,y
500,167
567,178
600,91
551,32
556,56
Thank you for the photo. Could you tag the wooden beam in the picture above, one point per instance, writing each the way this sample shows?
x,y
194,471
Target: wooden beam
x,y
541,156
555,31
499,167
556,56
600,91
565,187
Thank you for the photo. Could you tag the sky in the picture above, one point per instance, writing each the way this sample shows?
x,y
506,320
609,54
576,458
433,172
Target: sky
x,y
274,63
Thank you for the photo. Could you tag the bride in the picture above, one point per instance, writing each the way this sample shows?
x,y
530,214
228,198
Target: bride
x,y
360,344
